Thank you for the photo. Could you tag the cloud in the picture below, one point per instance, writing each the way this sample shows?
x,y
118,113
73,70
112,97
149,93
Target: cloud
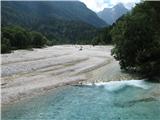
x,y
98,5
95,5
127,3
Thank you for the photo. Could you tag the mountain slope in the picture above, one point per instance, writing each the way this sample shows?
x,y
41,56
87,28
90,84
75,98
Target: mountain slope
x,y
29,13
61,22
110,15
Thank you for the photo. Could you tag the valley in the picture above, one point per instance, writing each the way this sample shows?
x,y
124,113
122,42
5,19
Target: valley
x,y
67,60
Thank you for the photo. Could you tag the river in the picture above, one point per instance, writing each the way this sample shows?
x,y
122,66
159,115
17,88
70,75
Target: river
x,y
115,100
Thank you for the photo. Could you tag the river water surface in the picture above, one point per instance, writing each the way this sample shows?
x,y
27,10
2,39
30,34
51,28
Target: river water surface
x,y
123,100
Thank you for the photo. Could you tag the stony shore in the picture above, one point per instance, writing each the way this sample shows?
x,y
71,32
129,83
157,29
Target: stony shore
x,y
28,73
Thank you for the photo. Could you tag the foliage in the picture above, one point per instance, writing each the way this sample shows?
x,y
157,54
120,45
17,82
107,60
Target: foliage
x,y
137,39
15,37
103,37
38,40
5,45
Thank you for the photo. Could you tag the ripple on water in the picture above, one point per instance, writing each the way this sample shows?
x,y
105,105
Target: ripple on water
x,y
123,100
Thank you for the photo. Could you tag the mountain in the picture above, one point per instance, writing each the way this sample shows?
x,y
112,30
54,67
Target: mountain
x,y
60,21
110,15
32,12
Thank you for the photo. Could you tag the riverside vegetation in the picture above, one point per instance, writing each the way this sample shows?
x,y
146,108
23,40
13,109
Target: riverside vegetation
x,y
137,40
15,37
136,37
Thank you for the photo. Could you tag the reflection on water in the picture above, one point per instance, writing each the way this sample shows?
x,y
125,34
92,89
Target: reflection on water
x,y
127,100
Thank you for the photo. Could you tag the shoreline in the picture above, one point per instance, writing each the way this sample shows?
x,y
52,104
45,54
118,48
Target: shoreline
x,y
54,67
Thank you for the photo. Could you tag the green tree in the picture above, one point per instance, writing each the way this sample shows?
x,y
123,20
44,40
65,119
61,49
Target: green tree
x,y
19,37
15,37
103,37
20,40
5,45
38,40
137,39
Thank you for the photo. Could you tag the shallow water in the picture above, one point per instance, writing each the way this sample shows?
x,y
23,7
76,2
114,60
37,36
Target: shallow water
x,y
127,100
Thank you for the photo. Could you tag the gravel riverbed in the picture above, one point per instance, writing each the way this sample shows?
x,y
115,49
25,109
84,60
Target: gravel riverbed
x,y
28,73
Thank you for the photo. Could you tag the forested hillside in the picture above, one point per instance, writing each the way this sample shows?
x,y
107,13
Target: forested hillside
x,y
33,13
61,22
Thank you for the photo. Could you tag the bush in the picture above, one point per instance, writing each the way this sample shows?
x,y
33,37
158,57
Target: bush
x,y
137,40
38,40
5,46
15,37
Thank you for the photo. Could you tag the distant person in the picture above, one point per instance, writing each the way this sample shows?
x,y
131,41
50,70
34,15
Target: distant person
x,y
81,48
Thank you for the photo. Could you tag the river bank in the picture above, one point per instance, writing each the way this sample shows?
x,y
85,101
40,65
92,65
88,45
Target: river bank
x,y
29,73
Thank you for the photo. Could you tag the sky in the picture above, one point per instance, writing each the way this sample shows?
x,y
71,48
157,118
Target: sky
x,y
99,5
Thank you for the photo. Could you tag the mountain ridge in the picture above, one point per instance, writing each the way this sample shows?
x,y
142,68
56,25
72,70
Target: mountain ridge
x,y
63,22
66,10
110,15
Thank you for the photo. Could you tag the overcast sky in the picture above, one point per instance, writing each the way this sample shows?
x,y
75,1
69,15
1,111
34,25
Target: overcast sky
x,y
98,5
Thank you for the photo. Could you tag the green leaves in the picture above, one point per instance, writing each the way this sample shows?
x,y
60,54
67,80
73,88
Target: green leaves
x,y
103,37
15,37
5,45
137,39
38,40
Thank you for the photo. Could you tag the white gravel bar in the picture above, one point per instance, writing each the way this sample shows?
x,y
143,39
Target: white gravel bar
x,y
27,73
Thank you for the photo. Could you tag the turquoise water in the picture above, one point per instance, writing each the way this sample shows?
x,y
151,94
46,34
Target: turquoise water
x,y
132,100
